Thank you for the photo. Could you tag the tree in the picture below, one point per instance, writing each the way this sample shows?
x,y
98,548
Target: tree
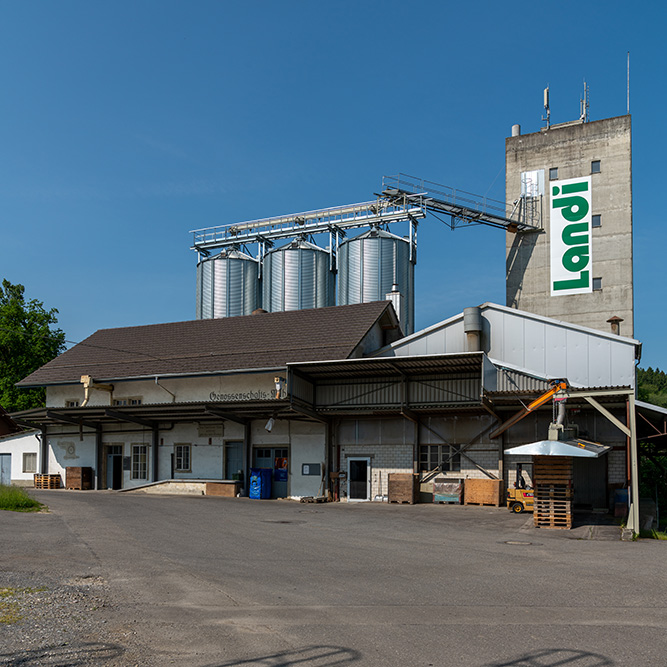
x,y
27,341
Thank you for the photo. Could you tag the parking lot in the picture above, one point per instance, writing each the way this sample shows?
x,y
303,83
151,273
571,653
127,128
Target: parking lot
x,y
217,581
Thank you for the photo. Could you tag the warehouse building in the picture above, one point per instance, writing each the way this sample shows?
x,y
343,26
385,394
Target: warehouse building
x,y
331,400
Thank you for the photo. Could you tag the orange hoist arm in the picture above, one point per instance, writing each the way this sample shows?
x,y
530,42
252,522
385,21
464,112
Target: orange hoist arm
x,y
556,386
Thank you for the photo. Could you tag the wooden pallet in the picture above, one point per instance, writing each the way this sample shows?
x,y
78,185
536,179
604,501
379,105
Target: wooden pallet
x,y
553,494
402,487
313,499
78,478
485,492
47,481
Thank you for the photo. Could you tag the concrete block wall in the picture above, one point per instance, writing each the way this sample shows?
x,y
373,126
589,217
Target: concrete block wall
x,y
385,459
616,464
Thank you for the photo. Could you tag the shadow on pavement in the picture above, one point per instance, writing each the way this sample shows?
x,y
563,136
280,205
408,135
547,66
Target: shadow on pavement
x,y
313,656
557,657
70,655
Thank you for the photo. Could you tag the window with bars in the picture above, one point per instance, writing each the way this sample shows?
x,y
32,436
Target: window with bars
x,y
445,457
182,458
139,462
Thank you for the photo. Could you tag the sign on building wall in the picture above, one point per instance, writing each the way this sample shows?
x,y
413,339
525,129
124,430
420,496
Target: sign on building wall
x,y
570,236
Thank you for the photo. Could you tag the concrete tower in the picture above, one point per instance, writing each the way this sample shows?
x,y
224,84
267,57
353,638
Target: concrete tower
x,y
578,268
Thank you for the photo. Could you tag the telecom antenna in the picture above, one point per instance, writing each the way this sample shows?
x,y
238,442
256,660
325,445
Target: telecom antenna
x,y
628,83
546,107
584,104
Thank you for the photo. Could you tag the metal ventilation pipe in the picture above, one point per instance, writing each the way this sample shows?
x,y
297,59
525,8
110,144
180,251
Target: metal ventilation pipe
x,y
516,130
472,326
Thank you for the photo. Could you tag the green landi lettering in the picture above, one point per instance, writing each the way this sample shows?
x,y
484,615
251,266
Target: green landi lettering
x,y
574,208
575,283
579,228
576,258
575,187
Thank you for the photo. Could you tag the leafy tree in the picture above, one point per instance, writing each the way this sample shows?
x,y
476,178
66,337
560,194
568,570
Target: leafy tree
x,y
27,341
652,386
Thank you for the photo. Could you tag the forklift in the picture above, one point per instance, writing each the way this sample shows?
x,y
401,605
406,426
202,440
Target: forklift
x,y
520,498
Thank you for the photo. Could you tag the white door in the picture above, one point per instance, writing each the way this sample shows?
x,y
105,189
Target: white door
x,y
5,469
358,478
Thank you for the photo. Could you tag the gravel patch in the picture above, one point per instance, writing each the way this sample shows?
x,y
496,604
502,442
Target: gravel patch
x,y
69,622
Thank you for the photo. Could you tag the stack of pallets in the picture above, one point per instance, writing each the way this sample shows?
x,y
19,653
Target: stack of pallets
x,y
552,479
47,481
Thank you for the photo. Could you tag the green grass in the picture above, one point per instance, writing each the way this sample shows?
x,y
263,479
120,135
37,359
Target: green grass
x,y
16,499
10,611
654,534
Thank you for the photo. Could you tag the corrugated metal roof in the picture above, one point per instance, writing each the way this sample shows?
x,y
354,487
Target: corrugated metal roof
x,y
467,363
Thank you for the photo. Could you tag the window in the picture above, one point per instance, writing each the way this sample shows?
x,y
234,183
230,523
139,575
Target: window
x,y
72,403
29,462
445,457
597,284
139,462
595,167
553,174
136,400
182,458
597,220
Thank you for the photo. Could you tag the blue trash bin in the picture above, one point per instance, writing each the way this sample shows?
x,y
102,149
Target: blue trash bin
x,y
260,483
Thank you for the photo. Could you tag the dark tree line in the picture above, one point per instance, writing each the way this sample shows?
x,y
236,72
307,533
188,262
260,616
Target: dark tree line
x,y
28,340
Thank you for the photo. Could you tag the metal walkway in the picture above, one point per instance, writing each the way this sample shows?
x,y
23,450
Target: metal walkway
x,y
403,199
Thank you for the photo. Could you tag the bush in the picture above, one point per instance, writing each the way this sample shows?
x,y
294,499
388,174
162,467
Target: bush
x,y
16,499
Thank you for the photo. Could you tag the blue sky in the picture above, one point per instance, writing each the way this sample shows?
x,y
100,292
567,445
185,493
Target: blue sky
x,y
127,124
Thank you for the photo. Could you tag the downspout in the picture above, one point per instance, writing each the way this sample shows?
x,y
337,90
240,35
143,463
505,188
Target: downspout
x,y
99,457
157,382
88,384
248,458
155,442
44,452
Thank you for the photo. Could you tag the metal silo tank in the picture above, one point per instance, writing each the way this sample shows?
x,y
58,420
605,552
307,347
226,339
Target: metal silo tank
x,y
370,264
297,276
227,285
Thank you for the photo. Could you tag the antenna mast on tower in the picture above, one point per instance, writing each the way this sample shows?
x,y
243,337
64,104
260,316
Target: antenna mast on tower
x,y
583,104
546,107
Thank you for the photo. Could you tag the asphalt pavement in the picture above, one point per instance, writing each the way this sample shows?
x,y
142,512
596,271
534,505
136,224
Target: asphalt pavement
x,y
205,581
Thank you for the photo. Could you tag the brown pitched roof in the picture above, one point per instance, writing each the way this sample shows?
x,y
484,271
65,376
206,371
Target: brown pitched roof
x,y
266,340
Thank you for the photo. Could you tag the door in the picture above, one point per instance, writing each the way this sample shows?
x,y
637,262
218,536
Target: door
x,y
233,460
115,467
275,458
358,479
5,469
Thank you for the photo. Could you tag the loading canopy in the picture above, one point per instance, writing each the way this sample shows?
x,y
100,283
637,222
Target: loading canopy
x,y
579,448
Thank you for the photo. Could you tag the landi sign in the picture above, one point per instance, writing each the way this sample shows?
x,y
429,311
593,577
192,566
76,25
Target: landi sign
x,y
570,219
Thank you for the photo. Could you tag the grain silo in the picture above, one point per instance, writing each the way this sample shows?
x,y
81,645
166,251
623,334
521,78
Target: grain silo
x,y
370,265
227,285
297,276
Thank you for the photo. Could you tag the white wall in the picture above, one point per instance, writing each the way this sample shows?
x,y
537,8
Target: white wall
x,y
17,445
218,388
307,444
